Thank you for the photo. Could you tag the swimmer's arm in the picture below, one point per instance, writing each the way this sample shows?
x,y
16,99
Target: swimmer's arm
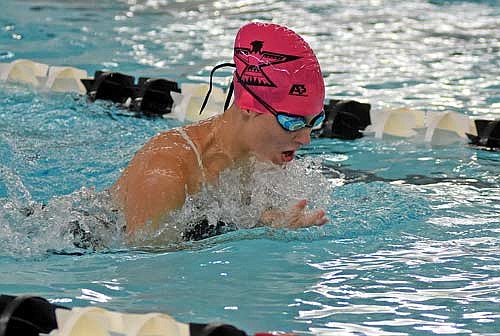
x,y
295,217
151,197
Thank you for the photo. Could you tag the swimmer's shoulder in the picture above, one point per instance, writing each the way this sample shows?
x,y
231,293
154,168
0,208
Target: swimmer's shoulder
x,y
171,151
169,144
181,140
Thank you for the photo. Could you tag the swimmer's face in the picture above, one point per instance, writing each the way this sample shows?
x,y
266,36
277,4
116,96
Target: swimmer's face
x,y
272,143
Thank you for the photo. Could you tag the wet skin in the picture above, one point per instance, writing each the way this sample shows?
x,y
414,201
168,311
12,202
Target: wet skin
x,y
166,168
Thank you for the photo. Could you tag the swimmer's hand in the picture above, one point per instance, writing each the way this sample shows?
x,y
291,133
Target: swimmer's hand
x,y
296,217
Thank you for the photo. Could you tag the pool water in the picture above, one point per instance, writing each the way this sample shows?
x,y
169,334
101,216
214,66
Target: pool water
x,y
413,242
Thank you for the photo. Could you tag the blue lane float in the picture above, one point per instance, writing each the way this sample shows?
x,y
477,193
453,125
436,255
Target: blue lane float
x,y
159,97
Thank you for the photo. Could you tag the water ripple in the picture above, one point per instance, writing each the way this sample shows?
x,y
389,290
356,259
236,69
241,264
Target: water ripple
x,y
398,282
412,246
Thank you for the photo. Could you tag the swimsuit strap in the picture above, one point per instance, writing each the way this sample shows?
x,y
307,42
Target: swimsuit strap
x,y
186,137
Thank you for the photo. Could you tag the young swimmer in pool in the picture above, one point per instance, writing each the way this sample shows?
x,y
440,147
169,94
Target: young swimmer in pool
x,y
279,94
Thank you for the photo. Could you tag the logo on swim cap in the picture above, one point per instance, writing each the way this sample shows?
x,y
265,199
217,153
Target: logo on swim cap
x,y
298,90
255,59
276,70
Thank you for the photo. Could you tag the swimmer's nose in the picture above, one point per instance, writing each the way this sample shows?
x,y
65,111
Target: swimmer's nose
x,y
303,136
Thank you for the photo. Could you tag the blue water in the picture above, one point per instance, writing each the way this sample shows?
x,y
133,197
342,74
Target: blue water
x,y
413,243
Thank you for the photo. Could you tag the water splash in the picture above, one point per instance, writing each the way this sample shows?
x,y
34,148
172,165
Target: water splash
x,y
241,196
80,222
88,219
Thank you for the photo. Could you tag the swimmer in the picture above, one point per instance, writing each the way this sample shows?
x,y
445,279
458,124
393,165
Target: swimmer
x,y
279,94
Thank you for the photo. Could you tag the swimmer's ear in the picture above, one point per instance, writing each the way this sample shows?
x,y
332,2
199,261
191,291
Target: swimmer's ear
x,y
251,114
247,114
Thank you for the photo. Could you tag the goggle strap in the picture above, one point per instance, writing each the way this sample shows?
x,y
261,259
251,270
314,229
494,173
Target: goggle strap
x,y
211,83
229,95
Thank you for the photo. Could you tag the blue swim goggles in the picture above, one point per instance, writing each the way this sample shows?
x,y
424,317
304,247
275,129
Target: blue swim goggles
x,y
292,123
289,122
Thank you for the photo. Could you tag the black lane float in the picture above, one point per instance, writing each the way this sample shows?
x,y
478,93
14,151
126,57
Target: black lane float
x,y
345,119
153,97
488,133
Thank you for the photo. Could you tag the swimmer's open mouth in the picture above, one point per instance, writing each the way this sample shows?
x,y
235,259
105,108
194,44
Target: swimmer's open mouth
x,y
288,156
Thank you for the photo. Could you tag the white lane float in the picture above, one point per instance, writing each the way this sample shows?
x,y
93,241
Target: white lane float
x,y
44,77
185,105
100,322
454,122
400,122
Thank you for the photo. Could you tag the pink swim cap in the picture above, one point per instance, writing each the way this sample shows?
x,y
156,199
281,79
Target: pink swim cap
x,y
277,68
